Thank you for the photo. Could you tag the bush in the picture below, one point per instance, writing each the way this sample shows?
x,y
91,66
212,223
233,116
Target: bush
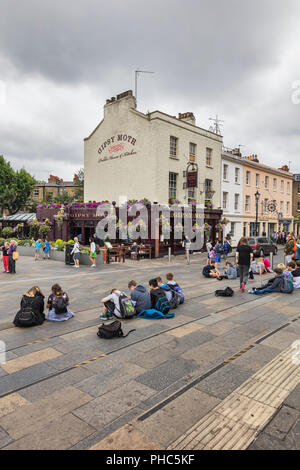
x,y
60,245
7,232
71,241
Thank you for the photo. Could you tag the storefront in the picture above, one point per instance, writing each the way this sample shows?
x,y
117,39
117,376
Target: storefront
x,y
20,223
81,220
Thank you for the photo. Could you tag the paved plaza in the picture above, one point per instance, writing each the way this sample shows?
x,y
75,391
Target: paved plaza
x,y
219,375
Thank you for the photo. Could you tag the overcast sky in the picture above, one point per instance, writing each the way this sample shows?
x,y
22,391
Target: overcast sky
x,y
60,61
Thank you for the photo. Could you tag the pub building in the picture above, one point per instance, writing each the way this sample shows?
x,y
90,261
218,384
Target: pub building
x,y
132,156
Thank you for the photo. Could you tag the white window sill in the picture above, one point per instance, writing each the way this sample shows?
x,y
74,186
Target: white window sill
x,y
174,158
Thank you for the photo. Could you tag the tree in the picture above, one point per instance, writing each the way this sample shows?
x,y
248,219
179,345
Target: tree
x,y
79,182
15,187
62,197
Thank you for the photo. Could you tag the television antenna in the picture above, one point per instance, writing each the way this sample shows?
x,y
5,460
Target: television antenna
x,y
217,123
137,72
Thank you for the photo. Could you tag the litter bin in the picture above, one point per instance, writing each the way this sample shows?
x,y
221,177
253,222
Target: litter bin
x,y
68,257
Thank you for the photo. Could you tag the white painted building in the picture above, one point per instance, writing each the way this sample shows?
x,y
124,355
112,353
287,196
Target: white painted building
x,y
232,193
146,155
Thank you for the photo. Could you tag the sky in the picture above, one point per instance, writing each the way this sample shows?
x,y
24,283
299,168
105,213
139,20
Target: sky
x,y
61,60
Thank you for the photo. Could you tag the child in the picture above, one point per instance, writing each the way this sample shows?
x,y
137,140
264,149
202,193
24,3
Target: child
x,y
46,249
165,287
58,304
211,271
277,284
155,292
295,274
231,271
259,267
267,265
218,250
140,296
111,305
175,286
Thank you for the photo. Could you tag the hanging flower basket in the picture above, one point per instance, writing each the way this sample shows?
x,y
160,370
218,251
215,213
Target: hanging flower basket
x,y
207,227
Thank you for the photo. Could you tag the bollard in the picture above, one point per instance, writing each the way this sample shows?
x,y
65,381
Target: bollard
x,y
169,250
188,256
272,260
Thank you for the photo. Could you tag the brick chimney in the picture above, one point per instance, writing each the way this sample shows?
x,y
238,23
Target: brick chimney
x,y
187,117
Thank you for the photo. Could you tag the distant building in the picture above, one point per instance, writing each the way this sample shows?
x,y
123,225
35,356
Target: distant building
x,y
140,155
296,202
54,187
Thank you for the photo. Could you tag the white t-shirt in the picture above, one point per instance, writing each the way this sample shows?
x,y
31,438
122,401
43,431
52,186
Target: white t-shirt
x,y
115,299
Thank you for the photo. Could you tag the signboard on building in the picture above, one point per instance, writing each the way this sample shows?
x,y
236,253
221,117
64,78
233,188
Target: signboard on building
x,y
192,179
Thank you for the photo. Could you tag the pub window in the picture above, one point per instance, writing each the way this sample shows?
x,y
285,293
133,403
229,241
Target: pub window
x,y
172,184
208,188
192,152
208,157
173,146
191,193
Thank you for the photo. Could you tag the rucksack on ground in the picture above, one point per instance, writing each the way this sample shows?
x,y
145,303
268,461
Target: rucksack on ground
x,y
112,330
59,304
127,309
176,297
228,292
26,317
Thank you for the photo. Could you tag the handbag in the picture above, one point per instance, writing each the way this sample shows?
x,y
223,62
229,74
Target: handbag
x,y
15,255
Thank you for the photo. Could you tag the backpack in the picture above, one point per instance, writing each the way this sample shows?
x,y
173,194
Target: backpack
x,y
162,304
152,314
127,308
26,316
228,292
288,286
112,330
177,296
59,304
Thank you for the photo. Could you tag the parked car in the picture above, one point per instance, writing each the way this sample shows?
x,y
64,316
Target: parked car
x,y
262,246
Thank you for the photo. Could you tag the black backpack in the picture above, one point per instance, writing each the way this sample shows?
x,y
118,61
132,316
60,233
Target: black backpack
x,y
127,308
228,292
26,316
162,304
176,297
112,330
60,304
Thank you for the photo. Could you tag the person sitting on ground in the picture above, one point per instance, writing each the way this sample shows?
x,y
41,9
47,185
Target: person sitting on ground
x,y
231,271
111,305
31,311
140,296
58,305
267,265
211,271
277,284
295,273
155,292
259,267
165,287
173,284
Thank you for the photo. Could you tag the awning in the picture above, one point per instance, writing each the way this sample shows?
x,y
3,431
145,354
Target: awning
x,y
19,217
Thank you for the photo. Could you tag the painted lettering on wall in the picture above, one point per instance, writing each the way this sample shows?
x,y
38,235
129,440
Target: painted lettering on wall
x,y
113,143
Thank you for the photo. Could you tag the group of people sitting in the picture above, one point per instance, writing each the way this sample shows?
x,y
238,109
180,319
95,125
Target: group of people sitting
x,y
287,278
32,307
142,298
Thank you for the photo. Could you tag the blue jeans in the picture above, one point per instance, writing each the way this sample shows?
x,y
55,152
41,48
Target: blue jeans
x,y
263,291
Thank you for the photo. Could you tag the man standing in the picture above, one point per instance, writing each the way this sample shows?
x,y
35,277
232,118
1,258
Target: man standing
x,y
244,257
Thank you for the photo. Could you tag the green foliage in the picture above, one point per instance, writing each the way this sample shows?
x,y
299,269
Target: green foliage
x,y
44,230
63,197
7,232
15,187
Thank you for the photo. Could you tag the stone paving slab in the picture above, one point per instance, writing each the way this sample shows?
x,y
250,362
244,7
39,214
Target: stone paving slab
x,y
29,360
103,410
4,439
24,377
10,403
126,438
39,414
60,434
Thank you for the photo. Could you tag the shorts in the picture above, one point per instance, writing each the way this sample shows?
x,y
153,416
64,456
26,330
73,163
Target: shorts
x,y
93,255
110,306
76,255
218,258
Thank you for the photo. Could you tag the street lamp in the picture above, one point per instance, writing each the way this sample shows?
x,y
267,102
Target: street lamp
x,y
257,196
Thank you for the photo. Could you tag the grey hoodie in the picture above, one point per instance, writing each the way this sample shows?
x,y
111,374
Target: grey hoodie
x,y
142,298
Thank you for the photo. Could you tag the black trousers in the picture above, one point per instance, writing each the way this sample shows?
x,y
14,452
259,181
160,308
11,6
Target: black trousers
x,y
12,265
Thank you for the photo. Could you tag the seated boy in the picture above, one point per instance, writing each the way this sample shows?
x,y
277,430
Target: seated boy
x,y
210,270
174,285
155,292
111,305
231,271
277,284
140,296
295,274
165,288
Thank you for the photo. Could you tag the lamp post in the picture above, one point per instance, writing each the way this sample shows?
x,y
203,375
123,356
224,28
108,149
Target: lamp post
x,y
257,196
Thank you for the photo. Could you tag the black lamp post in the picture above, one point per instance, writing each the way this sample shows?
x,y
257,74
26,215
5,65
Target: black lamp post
x,y
257,196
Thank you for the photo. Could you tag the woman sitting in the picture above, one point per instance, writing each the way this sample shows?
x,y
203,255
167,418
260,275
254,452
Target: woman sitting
x,y
58,304
31,312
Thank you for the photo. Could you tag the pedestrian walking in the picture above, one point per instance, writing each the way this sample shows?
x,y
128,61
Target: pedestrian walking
x,y
12,250
76,252
38,249
46,249
5,257
244,257
93,253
